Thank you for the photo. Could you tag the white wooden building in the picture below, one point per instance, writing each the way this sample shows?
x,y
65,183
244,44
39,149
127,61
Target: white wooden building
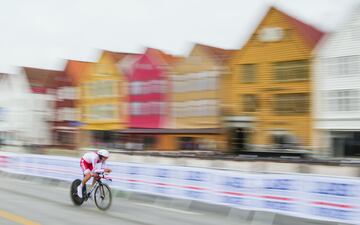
x,y
24,115
337,91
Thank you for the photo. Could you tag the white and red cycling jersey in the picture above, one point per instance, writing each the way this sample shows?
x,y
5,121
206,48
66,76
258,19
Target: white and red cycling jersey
x,y
89,161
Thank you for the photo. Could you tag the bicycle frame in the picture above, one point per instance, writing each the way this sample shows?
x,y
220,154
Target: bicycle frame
x,y
92,189
97,183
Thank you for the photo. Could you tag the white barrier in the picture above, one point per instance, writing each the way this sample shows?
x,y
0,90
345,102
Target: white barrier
x,y
314,197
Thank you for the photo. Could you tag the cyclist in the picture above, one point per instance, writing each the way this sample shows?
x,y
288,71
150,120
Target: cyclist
x,y
88,164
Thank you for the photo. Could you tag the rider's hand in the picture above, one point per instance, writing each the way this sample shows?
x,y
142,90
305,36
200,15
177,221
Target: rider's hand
x,y
107,170
95,175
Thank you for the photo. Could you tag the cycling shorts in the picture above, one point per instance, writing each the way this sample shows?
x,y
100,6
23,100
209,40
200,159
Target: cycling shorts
x,y
85,166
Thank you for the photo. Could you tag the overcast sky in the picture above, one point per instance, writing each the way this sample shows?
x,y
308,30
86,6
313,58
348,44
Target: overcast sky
x,y
40,32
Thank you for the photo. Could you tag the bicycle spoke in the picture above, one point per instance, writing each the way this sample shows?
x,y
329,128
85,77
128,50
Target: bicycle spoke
x,y
103,197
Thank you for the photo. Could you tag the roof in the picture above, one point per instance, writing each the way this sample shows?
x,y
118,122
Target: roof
x,y
117,56
161,57
310,34
127,62
41,78
74,69
221,55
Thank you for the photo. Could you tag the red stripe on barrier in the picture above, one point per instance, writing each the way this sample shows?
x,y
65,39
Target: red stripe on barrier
x,y
233,193
164,184
168,185
334,205
277,198
257,196
195,188
136,181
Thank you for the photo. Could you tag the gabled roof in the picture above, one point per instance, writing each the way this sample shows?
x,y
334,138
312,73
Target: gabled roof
x,y
219,54
127,62
117,56
161,57
75,69
41,78
310,34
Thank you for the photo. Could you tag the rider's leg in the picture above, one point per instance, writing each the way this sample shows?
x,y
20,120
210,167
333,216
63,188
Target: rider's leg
x,y
87,176
93,182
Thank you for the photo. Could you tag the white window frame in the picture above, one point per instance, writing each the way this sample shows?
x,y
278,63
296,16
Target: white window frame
x,y
135,108
344,100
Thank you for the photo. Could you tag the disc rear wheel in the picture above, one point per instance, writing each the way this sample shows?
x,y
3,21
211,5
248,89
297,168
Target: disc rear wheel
x,y
73,193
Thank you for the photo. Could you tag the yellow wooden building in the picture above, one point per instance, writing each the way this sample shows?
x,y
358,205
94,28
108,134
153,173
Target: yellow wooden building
x,y
270,85
196,98
102,100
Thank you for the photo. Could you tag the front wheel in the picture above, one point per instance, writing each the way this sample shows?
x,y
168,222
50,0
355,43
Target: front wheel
x,y
103,197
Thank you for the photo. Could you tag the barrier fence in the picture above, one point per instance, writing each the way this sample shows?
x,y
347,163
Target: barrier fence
x,y
314,197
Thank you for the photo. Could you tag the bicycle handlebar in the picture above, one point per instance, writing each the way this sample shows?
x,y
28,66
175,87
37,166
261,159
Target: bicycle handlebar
x,y
101,175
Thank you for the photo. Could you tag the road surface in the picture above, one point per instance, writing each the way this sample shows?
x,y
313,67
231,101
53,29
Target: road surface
x,y
33,203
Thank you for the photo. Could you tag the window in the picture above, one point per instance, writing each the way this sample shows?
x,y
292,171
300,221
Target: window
x,y
345,100
182,84
271,34
248,73
66,114
59,94
174,109
343,66
102,112
135,108
97,89
163,109
185,109
291,103
92,113
135,88
291,70
107,111
213,81
104,88
188,83
163,88
152,108
196,108
212,108
71,93
179,109
176,84
157,86
249,103
199,82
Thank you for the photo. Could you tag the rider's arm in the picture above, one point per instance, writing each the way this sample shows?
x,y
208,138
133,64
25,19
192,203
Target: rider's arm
x,y
94,164
105,168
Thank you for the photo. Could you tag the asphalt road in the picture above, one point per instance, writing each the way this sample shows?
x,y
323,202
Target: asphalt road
x,y
30,203
33,203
